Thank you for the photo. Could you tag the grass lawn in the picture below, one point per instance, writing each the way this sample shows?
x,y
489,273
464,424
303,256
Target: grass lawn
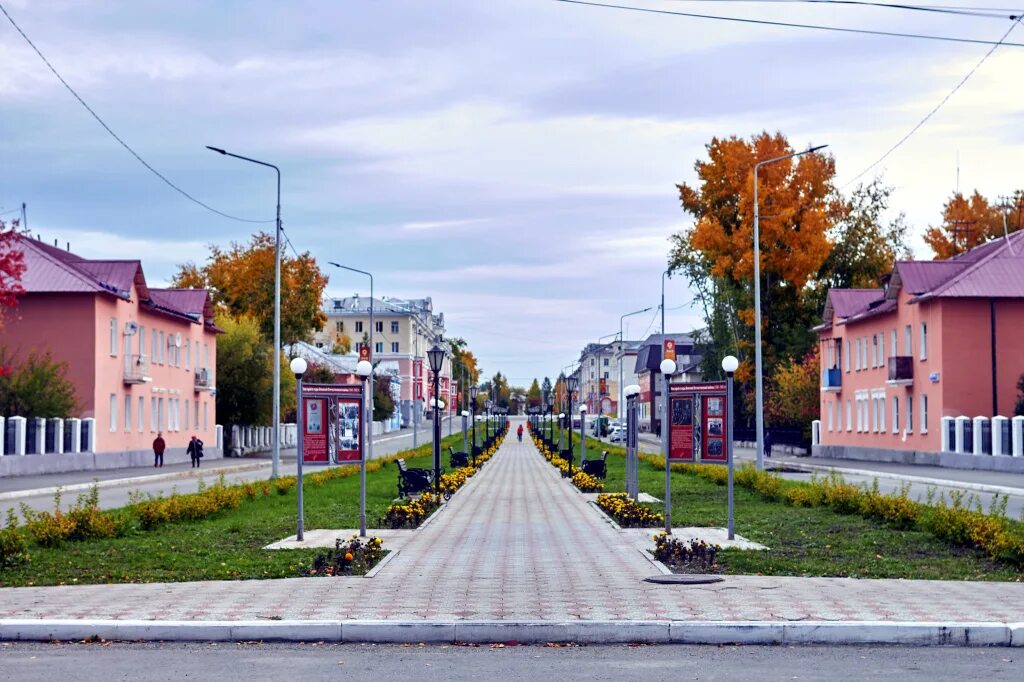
x,y
804,541
226,546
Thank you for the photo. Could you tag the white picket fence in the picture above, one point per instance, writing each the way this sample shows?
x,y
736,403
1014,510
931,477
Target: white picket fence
x,y
39,436
971,436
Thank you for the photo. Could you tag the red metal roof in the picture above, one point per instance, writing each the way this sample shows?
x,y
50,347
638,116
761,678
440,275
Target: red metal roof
x,y
998,274
920,276
849,302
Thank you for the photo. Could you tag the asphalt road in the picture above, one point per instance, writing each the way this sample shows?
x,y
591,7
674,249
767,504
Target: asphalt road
x,y
187,480
254,661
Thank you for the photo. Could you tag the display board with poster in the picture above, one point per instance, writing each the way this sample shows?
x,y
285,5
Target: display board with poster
x,y
698,421
332,425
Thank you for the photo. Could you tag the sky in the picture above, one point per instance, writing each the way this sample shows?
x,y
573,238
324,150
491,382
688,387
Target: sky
x,y
515,160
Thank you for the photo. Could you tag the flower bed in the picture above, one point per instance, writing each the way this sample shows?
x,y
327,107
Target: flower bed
x,y
627,513
587,483
353,557
411,513
695,556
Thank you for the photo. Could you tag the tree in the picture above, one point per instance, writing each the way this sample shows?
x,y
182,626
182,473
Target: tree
x,y
36,387
318,374
245,379
546,389
241,280
966,223
501,393
383,402
533,395
342,345
794,395
12,266
464,364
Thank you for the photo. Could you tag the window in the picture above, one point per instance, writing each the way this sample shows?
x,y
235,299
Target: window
x,y
142,341
830,422
864,349
204,415
881,350
856,358
892,344
186,415
161,422
910,414
924,340
847,358
152,412
606,375
379,327
874,350
195,415
394,326
142,411
113,337
908,341
895,414
606,362
378,347
924,414
113,412
153,355
881,414
849,416
394,346
831,357
839,415
188,353
163,348
339,327
359,326
127,413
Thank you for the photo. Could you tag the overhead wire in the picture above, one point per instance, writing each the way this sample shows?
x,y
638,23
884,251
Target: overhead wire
x,y
786,24
114,135
989,13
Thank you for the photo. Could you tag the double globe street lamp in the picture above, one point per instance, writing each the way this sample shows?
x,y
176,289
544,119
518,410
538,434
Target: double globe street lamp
x,y
435,356
571,384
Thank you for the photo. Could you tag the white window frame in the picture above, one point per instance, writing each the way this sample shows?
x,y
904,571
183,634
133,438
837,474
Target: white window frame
x,y
205,422
908,340
910,414
113,337
161,416
847,358
113,413
830,417
142,341
188,354
874,351
195,415
140,417
849,416
128,414
378,347
154,341
895,414
186,413
893,339
856,349
924,413
924,341
163,347
881,349
881,413
152,414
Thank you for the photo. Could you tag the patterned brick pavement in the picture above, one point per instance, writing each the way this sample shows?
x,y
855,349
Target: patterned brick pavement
x,y
518,543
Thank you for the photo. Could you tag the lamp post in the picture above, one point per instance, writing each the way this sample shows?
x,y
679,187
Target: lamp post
x,y
583,433
729,364
632,484
758,386
365,370
465,428
668,368
436,358
572,382
369,402
276,452
622,343
298,367
474,391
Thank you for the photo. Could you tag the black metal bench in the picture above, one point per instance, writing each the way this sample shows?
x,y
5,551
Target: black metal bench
x,y
412,480
457,459
597,468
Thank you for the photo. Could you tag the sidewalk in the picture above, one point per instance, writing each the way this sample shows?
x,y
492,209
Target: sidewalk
x,y
519,554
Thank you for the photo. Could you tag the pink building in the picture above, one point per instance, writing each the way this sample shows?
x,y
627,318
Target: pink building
x,y
142,360
939,339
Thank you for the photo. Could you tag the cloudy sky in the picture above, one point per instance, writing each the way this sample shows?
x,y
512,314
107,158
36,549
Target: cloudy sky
x,y
513,159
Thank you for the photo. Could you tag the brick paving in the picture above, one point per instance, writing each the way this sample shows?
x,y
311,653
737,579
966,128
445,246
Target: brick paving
x,y
518,543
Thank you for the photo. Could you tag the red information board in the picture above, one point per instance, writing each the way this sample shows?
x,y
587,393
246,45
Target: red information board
x,y
332,425
698,421
314,430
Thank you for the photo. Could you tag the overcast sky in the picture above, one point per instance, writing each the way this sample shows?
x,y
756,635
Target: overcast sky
x,y
515,160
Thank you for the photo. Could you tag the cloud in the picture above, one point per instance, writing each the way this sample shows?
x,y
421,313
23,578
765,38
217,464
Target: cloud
x,y
424,226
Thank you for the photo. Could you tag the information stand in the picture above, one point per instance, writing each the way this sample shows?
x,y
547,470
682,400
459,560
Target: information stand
x,y
332,423
698,414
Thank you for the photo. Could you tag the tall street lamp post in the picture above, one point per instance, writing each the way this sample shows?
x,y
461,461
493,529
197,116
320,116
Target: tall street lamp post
x,y
622,353
730,364
571,383
298,367
372,386
668,368
436,358
364,369
474,391
759,387
276,452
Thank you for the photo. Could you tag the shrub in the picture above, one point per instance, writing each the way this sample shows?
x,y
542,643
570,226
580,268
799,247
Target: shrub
x,y
13,548
90,522
803,496
154,511
628,513
46,529
285,484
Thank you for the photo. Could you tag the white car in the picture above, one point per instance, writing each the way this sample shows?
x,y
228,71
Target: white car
x,y
617,435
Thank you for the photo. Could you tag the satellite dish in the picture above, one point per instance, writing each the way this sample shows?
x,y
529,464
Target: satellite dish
x,y
177,340
131,328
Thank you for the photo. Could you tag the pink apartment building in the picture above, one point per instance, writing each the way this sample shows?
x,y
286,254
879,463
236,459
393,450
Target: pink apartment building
x,y
941,338
142,360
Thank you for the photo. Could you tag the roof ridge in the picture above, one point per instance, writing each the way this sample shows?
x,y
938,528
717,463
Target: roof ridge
x,y
67,266
975,265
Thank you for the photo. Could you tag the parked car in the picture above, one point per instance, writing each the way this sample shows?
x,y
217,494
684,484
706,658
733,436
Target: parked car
x,y
617,435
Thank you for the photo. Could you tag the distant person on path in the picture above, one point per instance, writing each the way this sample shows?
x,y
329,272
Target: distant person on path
x,y
158,449
767,442
519,432
195,451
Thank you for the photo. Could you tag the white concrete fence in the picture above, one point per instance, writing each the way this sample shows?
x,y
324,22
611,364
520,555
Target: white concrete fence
x,y
966,436
250,439
37,436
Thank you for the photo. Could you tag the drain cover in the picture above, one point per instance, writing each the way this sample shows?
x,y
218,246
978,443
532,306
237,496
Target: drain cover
x,y
682,579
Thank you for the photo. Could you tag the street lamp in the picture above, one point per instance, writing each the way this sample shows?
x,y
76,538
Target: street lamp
x,y
729,364
583,433
668,368
276,452
364,369
369,402
435,356
622,354
298,367
632,465
474,391
758,386
571,383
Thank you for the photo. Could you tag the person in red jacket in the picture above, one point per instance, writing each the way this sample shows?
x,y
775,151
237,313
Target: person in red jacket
x,y
158,449
519,432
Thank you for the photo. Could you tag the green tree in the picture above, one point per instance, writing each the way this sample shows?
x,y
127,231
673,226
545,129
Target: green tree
x,y
37,386
318,374
343,345
245,374
502,392
383,403
533,395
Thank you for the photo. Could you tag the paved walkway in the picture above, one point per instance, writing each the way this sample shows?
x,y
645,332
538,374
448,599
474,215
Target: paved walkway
x,y
518,543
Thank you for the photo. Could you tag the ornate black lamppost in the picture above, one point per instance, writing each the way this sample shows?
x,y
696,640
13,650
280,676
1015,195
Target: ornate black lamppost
x,y
435,356
474,391
571,383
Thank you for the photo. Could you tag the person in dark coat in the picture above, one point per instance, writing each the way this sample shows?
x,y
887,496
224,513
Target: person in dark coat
x,y
158,450
767,442
195,451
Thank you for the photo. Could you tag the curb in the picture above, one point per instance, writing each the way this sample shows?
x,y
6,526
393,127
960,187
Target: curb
x,y
909,478
134,480
525,632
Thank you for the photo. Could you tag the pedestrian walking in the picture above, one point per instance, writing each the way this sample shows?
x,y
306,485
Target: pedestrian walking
x,y
195,451
767,442
519,432
158,449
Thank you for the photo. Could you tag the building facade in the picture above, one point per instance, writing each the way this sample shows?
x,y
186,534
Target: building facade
x,y
689,353
404,330
142,360
599,374
939,339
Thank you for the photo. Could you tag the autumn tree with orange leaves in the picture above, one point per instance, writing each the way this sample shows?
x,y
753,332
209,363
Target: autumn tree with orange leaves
x,y
970,221
241,280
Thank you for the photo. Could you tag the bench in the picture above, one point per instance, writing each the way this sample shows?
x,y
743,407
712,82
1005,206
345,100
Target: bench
x,y
412,480
597,468
457,459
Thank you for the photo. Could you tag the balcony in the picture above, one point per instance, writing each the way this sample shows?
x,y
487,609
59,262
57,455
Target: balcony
x,y
203,379
901,370
831,380
136,370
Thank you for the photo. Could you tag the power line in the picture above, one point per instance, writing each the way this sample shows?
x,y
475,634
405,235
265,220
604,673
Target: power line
x,y
989,13
938,106
124,144
785,24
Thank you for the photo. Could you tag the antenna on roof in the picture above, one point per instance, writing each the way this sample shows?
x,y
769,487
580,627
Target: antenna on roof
x,y
1007,207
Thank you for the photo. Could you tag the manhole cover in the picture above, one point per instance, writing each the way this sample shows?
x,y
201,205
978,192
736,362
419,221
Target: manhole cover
x,y
678,579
